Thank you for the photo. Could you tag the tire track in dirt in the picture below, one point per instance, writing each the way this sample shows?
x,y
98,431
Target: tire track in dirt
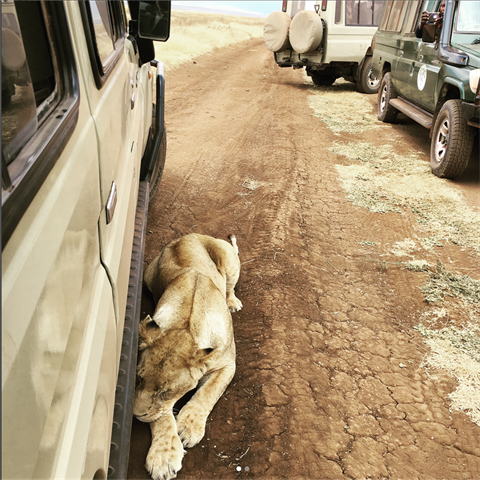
x,y
328,383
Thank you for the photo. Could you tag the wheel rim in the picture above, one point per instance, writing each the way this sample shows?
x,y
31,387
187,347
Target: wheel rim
x,y
372,81
383,99
441,141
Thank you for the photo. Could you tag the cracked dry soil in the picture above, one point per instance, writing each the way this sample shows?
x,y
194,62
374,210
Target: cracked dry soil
x,y
328,382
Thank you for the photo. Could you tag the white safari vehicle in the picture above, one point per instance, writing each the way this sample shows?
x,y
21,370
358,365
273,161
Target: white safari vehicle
x,y
83,147
331,39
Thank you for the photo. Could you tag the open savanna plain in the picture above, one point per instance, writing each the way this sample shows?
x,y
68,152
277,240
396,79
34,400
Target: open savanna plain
x,y
358,344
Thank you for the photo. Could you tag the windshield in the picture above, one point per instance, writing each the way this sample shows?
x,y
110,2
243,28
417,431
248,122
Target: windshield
x,y
466,27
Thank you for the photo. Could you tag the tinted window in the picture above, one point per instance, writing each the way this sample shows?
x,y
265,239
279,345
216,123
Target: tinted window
x,y
363,12
104,24
394,16
38,100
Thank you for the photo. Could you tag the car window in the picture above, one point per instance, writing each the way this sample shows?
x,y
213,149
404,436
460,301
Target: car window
x,y
363,12
413,18
393,16
466,31
103,30
104,23
37,97
396,17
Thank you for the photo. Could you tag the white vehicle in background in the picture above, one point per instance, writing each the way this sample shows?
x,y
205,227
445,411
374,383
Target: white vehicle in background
x,y
83,150
331,39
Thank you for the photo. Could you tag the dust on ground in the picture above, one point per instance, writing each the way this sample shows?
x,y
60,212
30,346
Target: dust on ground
x,y
333,376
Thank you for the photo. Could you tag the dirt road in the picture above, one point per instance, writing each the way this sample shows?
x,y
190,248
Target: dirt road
x,y
328,382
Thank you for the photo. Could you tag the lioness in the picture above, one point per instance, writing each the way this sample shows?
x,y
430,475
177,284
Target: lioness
x,y
187,344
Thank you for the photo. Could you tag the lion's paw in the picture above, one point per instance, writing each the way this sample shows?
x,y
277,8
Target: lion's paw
x,y
164,458
191,426
234,304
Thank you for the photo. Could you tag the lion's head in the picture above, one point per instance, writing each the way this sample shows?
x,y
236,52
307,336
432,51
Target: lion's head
x,y
170,365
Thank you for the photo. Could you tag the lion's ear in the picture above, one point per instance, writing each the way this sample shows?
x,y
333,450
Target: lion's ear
x,y
148,331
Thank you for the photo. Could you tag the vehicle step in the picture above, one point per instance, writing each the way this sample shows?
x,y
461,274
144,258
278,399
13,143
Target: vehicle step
x,y
412,111
125,392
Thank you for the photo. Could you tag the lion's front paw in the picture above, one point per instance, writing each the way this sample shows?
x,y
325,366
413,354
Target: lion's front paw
x,y
191,426
164,458
234,304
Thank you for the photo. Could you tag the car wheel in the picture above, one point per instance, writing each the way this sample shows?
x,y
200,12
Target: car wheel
x,y
368,83
452,141
323,80
385,112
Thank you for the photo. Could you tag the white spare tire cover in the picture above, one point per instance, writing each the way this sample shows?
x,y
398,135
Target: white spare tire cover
x,y
13,54
306,31
275,31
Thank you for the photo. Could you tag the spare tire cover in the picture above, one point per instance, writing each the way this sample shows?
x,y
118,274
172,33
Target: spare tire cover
x,y
306,31
13,54
275,31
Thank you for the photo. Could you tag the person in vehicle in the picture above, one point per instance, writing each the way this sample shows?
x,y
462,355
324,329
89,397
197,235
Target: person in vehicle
x,y
438,22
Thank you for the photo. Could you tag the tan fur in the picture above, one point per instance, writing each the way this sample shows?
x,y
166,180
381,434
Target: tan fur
x,y
187,344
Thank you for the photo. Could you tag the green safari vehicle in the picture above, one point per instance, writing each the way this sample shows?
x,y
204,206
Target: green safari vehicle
x,y
431,73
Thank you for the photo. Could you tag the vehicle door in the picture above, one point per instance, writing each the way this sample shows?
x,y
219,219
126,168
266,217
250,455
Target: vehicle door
x,y
425,68
112,79
57,305
407,51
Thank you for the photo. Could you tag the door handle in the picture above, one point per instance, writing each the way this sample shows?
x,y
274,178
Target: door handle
x,y
420,58
111,202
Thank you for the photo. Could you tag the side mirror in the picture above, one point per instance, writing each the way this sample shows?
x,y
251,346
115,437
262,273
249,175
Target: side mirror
x,y
154,20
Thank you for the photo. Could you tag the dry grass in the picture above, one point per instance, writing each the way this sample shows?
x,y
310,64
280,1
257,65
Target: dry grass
x,y
193,33
384,181
380,180
347,112
457,351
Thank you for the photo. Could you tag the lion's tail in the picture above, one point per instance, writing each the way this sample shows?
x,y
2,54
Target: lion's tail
x,y
233,239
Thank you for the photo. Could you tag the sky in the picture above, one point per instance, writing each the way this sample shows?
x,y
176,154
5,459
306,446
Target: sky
x,y
257,8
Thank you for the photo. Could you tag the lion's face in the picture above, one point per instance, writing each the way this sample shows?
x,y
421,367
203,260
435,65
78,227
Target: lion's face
x,y
169,366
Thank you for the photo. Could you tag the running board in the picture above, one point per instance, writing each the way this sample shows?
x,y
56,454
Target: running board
x,y
125,392
410,110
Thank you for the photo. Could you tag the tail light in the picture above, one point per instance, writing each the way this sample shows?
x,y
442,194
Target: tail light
x,y
284,6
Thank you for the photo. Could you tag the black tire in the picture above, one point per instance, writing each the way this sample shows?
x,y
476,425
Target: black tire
x,y
385,112
323,80
6,96
157,173
452,141
368,83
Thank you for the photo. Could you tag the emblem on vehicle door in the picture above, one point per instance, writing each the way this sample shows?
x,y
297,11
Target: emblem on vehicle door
x,y
422,77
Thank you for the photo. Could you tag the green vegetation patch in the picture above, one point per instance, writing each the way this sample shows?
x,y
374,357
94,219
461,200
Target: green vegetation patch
x,y
418,266
443,283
